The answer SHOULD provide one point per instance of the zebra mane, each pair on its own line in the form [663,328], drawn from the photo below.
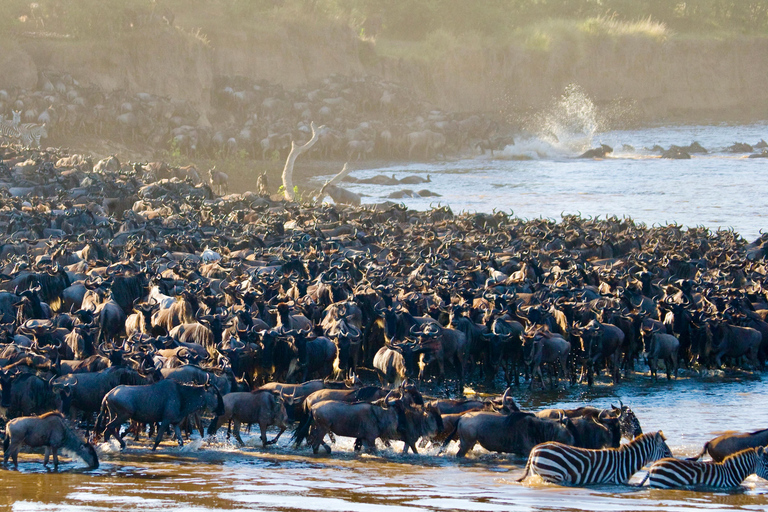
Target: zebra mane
[642,438]
[738,454]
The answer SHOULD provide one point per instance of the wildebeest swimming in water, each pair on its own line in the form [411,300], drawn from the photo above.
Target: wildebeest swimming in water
[599,152]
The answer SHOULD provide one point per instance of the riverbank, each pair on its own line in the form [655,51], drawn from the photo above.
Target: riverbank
[635,77]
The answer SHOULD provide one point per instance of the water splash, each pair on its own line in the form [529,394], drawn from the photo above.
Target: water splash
[571,123]
[566,128]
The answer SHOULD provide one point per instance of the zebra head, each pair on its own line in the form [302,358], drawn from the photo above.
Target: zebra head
[761,465]
[660,449]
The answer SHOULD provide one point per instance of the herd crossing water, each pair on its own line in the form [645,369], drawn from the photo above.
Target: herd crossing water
[537,176]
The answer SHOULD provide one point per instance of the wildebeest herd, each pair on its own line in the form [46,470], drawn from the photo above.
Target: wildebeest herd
[364,118]
[128,300]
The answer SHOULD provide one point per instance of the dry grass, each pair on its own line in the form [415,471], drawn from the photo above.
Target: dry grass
[610,26]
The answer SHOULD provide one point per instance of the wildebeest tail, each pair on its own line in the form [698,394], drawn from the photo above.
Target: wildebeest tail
[6,442]
[214,426]
[703,452]
[302,431]
[452,435]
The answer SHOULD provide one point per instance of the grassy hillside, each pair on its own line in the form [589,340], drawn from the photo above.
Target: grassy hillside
[389,21]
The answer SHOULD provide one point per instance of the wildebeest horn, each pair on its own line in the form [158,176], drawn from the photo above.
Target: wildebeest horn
[505,396]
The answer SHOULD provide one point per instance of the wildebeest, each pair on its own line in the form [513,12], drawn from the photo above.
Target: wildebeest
[262,407]
[517,432]
[600,342]
[659,345]
[388,419]
[25,394]
[50,430]
[731,442]
[166,402]
[364,394]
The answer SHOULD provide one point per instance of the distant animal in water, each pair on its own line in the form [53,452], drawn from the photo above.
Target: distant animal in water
[600,152]
[676,153]
[414,180]
[740,147]
[50,430]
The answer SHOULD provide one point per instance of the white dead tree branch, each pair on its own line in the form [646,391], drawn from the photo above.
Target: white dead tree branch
[333,181]
[292,156]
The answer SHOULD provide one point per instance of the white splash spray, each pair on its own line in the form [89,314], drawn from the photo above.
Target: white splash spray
[567,128]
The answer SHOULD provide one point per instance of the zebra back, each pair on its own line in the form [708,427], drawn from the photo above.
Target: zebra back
[7,129]
[563,464]
[731,472]
[32,131]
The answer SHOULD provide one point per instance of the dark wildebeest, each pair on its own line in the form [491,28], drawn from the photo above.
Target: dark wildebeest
[659,345]
[166,402]
[365,394]
[628,424]
[517,432]
[262,407]
[26,394]
[600,342]
[50,430]
[731,442]
[363,421]
[388,419]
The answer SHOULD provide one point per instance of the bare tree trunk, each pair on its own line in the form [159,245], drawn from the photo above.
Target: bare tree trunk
[333,181]
[292,156]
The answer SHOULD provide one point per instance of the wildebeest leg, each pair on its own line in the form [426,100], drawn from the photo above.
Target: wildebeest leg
[47,455]
[113,427]
[464,447]
[358,444]
[236,427]
[177,429]
[274,441]
[160,432]
[55,452]
[14,453]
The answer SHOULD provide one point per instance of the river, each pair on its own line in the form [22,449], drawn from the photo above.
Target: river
[206,476]
[536,176]
[539,175]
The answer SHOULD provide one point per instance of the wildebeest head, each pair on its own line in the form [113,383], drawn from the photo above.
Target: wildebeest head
[628,422]
[213,399]
[63,394]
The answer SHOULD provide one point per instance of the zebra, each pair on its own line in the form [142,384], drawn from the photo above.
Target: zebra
[30,131]
[7,129]
[567,465]
[729,473]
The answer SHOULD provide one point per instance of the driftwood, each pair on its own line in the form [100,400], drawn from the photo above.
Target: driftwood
[292,156]
[330,183]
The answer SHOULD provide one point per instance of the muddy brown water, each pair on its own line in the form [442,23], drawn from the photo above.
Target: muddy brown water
[218,475]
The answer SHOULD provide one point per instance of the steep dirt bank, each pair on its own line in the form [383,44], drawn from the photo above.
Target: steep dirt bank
[676,81]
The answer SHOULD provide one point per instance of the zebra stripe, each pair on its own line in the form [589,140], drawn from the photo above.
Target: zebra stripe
[567,465]
[729,473]
[8,130]
[30,131]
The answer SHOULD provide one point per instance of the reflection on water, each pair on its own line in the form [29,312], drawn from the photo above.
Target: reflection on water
[220,476]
